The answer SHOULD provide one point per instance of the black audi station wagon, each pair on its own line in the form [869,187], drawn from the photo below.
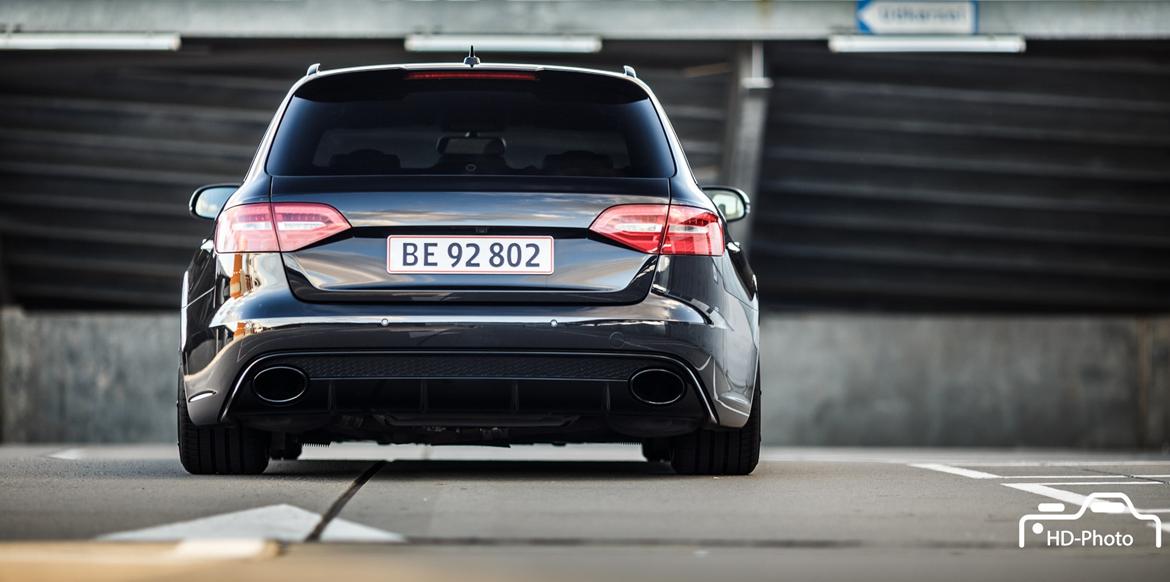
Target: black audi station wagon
[469,254]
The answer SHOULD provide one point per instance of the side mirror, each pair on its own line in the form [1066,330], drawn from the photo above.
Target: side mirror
[732,202]
[207,201]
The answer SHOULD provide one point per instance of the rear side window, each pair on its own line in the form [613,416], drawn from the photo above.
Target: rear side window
[548,123]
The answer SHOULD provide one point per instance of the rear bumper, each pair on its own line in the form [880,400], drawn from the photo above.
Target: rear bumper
[368,359]
[412,391]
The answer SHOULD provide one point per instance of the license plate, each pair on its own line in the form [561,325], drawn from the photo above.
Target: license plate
[496,255]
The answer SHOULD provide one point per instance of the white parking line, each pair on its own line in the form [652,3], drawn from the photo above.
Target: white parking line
[1118,463]
[1048,490]
[1066,483]
[975,474]
[1076,498]
[68,454]
[285,523]
[970,473]
[1047,487]
[1102,476]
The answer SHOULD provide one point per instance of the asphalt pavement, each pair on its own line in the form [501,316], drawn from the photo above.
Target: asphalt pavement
[582,513]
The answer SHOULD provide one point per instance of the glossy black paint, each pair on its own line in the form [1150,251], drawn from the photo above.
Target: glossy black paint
[696,314]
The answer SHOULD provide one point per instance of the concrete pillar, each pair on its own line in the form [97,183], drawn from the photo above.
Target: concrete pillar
[743,144]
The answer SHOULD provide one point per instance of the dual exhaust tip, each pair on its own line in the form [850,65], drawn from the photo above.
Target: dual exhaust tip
[284,384]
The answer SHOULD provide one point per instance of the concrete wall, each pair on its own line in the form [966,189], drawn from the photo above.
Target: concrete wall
[68,377]
[1083,382]
[829,380]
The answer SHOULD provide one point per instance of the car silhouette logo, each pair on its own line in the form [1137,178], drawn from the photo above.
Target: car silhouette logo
[1108,503]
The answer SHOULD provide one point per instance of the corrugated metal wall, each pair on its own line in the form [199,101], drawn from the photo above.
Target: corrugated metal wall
[100,152]
[1036,182]
[1026,183]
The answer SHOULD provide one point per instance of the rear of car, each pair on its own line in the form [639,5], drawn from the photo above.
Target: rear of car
[454,255]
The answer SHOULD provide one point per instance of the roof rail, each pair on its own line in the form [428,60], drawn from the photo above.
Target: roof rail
[629,71]
[313,68]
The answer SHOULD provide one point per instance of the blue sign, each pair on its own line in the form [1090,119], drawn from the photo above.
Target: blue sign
[917,16]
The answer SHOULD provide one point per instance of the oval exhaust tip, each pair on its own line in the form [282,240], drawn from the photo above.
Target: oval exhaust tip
[657,386]
[280,384]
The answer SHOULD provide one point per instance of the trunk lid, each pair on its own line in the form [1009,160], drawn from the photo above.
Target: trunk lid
[353,266]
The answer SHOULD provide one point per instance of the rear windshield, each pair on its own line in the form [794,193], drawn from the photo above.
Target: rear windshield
[548,123]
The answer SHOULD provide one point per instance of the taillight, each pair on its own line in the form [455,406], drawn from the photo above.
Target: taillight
[300,224]
[638,226]
[282,226]
[662,228]
[693,231]
[246,228]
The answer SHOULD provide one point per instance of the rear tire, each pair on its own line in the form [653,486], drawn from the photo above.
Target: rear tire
[720,452]
[220,450]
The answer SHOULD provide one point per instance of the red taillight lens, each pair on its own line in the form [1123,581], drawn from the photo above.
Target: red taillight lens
[269,228]
[300,224]
[246,228]
[688,230]
[693,231]
[638,226]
